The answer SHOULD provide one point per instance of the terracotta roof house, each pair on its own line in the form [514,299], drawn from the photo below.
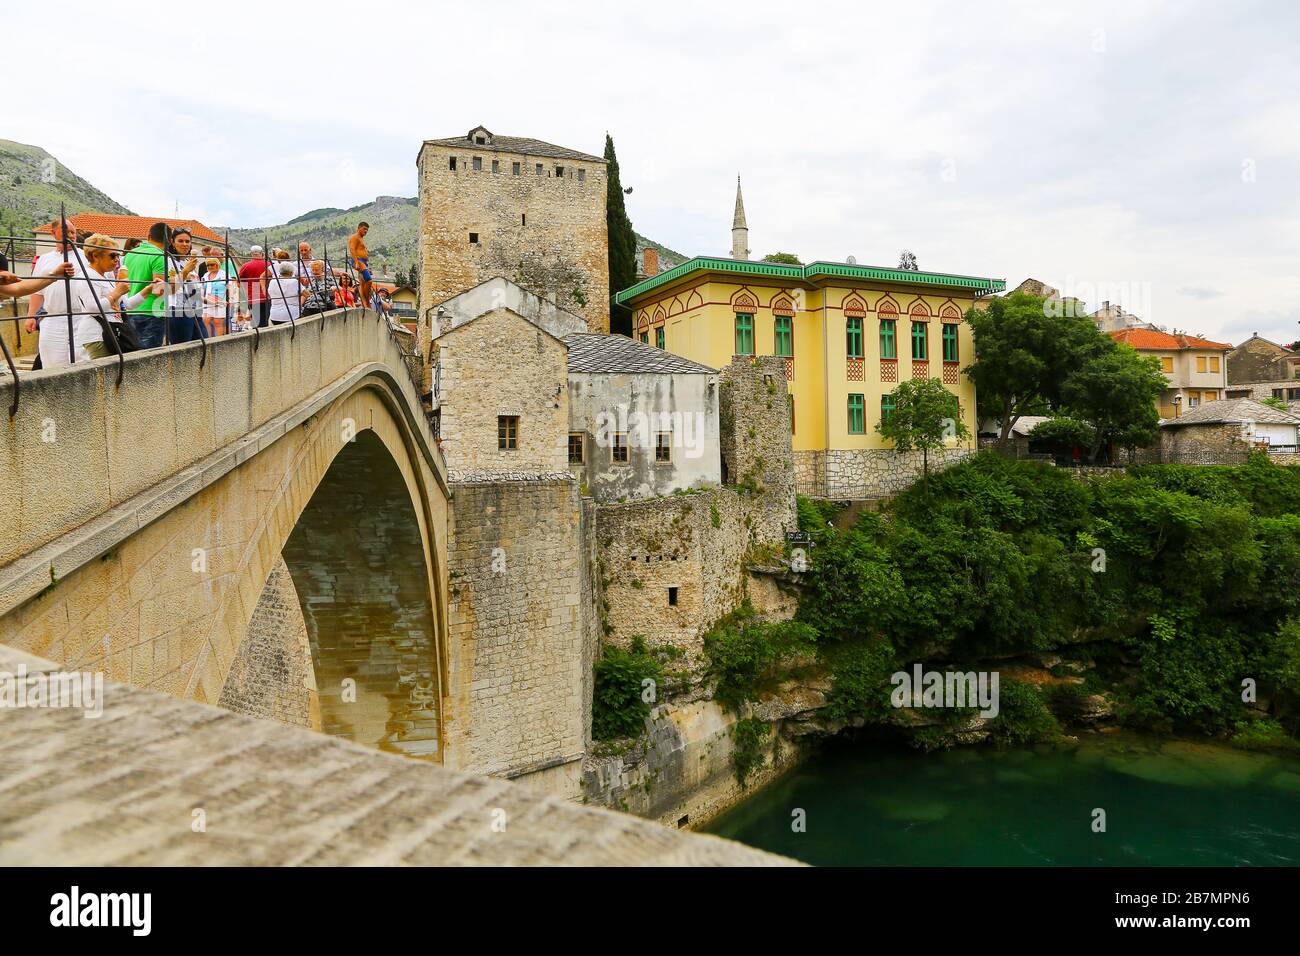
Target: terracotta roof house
[1196,368]
[129,227]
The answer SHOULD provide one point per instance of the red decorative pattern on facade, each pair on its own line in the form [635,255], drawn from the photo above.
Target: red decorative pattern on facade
[951,372]
[659,317]
[856,370]
[789,369]
[744,304]
[920,370]
[889,370]
[783,307]
[855,307]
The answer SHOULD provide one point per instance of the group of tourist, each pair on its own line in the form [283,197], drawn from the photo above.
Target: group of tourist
[161,290]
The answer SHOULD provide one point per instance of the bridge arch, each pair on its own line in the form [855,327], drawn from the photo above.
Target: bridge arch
[152,565]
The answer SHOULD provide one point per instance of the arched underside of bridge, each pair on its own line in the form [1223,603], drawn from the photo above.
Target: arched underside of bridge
[189,586]
[342,639]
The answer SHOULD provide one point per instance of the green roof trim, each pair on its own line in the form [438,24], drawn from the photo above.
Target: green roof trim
[809,273]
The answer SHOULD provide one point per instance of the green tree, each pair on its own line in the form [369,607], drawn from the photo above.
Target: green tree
[925,415]
[413,277]
[1116,392]
[622,243]
[1274,402]
[783,258]
[1063,431]
[1023,353]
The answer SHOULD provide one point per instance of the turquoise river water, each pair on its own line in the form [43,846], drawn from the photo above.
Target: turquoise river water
[1166,803]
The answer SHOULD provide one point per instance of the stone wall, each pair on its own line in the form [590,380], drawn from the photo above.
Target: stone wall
[681,773]
[870,472]
[121,791]
[520,637]
[1256,360]
[502,364]
[754,440]
[1204,445]
[555,225]
[271,676]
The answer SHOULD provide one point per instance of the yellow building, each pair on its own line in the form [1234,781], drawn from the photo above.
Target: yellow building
[849,335]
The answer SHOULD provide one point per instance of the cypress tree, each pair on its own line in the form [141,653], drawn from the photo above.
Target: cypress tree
[622,243]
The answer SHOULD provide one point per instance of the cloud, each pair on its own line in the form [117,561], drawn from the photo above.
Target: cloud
[1126,144]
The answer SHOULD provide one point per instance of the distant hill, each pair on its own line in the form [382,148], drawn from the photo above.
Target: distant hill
[393,239]
[32,183]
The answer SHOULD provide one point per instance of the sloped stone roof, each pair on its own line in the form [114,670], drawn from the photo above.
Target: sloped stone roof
[516,144]
[617,354]
[1232,411]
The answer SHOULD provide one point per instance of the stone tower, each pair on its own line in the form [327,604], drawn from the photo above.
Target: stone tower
[739,231]
[521,208]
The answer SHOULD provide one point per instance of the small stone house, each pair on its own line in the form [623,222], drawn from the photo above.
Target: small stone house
[642,422]
[521,389]
[1225,432]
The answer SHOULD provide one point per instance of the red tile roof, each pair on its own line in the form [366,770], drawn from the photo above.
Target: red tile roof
[128,227]
[1163,341]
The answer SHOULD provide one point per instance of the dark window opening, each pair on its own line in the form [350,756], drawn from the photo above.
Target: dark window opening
[523,219]
[582,175]
[452,164]
[618,452]
[480,140]
[575,448]
[514,169]
[473,238]
[672,597]
[559,172]
[683,820]
[507,432]
[664,446]
[539,169]
[478,164]
[496,165]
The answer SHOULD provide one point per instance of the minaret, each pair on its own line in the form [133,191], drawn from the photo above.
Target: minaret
[739,231]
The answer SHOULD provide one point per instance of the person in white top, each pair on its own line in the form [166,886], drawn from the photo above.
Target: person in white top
[66,299]
[286,295]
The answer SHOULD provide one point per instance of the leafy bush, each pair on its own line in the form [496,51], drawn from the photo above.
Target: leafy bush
[618,706]
[743,651]
[1023,717]
[750,737]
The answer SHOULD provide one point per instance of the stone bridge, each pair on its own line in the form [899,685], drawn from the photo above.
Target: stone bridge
[231,526]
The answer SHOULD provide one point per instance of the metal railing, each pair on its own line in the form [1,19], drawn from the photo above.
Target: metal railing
[339,278]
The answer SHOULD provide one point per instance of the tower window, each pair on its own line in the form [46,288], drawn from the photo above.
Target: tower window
[480,140]
[478,164]
[539,170]
[559,172]
[523,219]
[575,448]
[582,175]
[496,165]
[672,597]
[473,238]
[507,432]
[514,169]
[452,164]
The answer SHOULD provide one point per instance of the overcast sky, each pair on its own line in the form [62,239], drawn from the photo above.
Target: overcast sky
[1147,153]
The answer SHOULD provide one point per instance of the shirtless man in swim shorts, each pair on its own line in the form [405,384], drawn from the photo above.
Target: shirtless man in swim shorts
[360,257]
